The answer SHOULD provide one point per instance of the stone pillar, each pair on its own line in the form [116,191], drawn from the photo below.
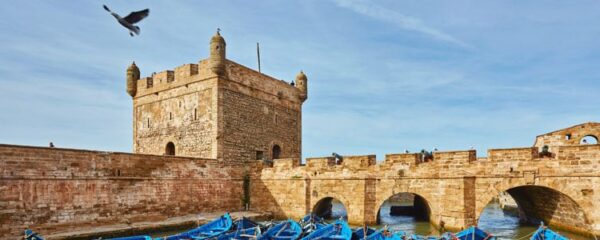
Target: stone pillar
[469,199]
[307,190]
[369,203]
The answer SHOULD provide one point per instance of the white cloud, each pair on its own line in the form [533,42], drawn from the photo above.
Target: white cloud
[403,21]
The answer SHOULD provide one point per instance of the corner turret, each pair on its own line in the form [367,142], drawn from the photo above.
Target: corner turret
[133,75]
[217,54]
[301,83]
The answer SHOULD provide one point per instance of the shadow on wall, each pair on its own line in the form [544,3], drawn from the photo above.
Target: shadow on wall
[537,203]
[261,195]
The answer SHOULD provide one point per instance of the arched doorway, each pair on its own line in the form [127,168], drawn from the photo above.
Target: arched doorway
[330,208]
[407,212]
[170,149]
[276,152]
[518,211]
[589,139]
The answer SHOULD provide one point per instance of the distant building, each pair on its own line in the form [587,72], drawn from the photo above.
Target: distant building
[585,133]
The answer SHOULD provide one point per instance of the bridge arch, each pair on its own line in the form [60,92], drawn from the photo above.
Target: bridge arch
[330,208]
[408,204]
[551,204]
[418,187]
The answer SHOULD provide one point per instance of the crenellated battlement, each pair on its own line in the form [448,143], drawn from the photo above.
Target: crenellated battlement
[465,162]
[286,163]
[236,75]
[402,158]
[509,161]
[170,79]
[512,154]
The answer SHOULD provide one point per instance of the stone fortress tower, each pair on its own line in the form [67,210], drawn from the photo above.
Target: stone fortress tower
[216,109]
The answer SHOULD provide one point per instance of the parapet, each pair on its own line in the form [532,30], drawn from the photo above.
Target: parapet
[455,157]
[276,89]
[320,163]
[579,152]
[512,154]
[61,163]
[180,76]
[255,83]
[286,163]
[350,162]
[402,158]
[358,162]
[186,70]
[164,77]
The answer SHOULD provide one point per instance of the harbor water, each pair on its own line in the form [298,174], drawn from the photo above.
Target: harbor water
[493,220]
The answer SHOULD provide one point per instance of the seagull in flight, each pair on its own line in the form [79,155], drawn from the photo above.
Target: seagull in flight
[130,19]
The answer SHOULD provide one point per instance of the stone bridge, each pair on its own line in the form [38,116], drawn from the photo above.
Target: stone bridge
[560,187]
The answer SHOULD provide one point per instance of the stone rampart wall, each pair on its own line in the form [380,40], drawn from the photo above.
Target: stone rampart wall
[50,189]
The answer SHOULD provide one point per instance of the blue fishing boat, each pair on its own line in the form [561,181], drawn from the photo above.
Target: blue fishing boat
[359,233]
[311,218]
[242,234]
[244,229]
[471,233]
[419,237]
[381,234]
[141,237]
[384,234]
[287,230]
[210,230]
[244,223]
[338,230]
[31,235]
[311,223]
[545,233]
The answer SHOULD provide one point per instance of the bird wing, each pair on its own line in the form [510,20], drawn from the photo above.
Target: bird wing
[106,8]
[135,17]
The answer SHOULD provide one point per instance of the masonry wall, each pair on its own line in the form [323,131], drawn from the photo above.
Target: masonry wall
[179,107]
[257,113]
[283,196]
[53,190]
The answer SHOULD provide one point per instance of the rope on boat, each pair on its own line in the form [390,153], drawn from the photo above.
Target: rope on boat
[526,235]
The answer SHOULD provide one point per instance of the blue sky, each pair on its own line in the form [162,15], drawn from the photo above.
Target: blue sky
[384,76]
